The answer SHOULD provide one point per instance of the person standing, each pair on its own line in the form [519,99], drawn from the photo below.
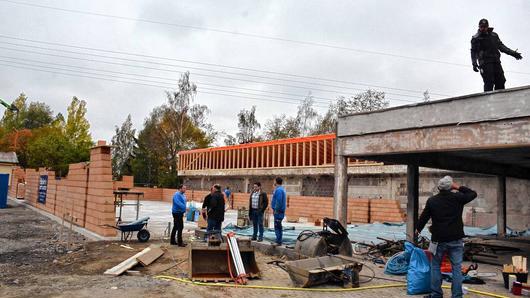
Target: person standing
[257,205]
[445,210]
[214,206]
[278,205]
[486,58]
[228,195]
[178,209]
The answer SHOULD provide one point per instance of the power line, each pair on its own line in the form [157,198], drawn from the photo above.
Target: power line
[195,74]
[195,68]
[216,65]
[252,35]
[325,100]
[140,82]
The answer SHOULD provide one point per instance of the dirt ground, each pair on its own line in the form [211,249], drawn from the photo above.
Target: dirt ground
[34,262]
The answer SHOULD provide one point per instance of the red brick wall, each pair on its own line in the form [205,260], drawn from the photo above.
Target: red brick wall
[125,182]
[86,193]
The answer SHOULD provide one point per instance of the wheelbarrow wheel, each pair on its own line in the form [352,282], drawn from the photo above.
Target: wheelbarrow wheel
[143,235]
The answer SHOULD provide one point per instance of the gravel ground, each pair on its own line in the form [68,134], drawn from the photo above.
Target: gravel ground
[35,263]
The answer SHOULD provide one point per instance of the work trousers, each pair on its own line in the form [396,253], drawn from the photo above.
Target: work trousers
[213,225]
[455,251]
[257,223]
[278,230]
[493,76]
[178,225]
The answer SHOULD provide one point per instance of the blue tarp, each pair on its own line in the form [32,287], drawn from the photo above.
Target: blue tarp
[366,233]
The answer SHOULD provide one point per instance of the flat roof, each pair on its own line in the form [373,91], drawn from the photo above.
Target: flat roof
[486,133]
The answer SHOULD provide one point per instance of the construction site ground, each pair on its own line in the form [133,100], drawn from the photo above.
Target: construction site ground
[34,262]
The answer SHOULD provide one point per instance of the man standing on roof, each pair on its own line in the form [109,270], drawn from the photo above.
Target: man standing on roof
[486,58]
[278,205]
[445,209]
[178,209]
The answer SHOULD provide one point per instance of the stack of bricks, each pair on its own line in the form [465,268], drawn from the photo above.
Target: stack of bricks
[150,193]
[386,210]
[358,210]
[100,209]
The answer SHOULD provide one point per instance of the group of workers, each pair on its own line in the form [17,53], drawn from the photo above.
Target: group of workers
[216,203]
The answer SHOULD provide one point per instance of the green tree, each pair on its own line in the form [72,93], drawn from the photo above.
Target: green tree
[13,119]
[282,127]
[248,125]
[37,115]
[123,147]
[77,132]
[49,147]
[367,101]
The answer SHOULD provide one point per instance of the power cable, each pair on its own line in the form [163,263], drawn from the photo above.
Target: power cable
[253,35]
[170,70]
[151,85]
[216,65]
[195,68]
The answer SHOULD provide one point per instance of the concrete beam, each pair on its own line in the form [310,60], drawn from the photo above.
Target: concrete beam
[510,133]
[501,207]
[340,193]
[413,197]
[478,107]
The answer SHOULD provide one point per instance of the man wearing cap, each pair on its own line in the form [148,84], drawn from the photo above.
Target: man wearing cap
[486,58]
[445,210]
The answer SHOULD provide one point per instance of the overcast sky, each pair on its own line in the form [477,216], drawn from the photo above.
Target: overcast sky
[364,42]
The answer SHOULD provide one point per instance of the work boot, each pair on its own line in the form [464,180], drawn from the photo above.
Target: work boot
[253,238]
[182,244]
[173,243]
[260,239]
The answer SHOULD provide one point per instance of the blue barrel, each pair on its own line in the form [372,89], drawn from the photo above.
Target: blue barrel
[4,183]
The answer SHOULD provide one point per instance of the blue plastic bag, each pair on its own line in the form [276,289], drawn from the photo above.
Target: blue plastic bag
[419,272]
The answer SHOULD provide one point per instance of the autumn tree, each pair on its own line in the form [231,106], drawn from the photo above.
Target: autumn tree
[248,125]
[77,130]
[123,147]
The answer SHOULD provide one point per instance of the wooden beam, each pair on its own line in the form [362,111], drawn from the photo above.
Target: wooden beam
[297,155]
[262,163]
[279,151]
[284,155]
[413,187]
[247,153]
[273,156]
[325,152]
[252,162]
[268,152]
[333,143]
[303,154]
[318,153]
[501,207]
[310,153]
[291,154]
[340,194]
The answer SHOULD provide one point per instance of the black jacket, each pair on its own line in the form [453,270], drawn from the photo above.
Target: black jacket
[215,206]
[263,201]
[485,48]
[445,209]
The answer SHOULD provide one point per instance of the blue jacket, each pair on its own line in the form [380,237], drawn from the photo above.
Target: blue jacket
[279,200]
[179,203]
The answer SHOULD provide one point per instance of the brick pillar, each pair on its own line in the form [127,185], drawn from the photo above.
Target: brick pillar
[100,208]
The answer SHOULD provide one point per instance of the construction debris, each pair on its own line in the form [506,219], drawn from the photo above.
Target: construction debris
[151,256]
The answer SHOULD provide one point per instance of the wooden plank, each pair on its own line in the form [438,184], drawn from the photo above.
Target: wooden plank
[310,153]
[268,152]
[284,155]
[151,256]
[318,153]
[273,156]
[297,155]
[262,164]
[291,154]
[303,154]
[325,152]
[127,264]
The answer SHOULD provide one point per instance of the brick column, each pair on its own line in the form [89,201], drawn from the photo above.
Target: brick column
[100,208]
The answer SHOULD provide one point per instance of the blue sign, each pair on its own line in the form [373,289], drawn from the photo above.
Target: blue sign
[43,189]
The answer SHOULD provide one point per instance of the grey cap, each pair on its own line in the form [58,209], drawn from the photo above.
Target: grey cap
[445,183]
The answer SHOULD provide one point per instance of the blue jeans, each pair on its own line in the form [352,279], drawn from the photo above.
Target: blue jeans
[257,223]
[213,225]
[278,230]
[455,251]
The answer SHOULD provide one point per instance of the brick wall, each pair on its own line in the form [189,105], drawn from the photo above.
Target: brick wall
[126,182]
[85,195]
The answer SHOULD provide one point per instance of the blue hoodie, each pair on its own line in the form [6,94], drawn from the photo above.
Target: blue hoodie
[279,200]
[179,203]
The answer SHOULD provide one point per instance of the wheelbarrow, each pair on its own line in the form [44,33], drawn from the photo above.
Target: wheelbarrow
[128,229]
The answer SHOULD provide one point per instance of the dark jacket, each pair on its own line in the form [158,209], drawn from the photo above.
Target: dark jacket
[262,204]
[485,48]
[215,206]
[445,209]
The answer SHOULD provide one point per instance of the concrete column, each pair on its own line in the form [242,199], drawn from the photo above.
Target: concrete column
[245,185]
[202,183]
[412,201]
[501,207]
[340,193]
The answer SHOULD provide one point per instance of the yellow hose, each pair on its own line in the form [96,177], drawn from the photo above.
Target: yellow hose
[226,285]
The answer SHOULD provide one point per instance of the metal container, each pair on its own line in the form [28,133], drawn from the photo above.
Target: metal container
[314,271]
